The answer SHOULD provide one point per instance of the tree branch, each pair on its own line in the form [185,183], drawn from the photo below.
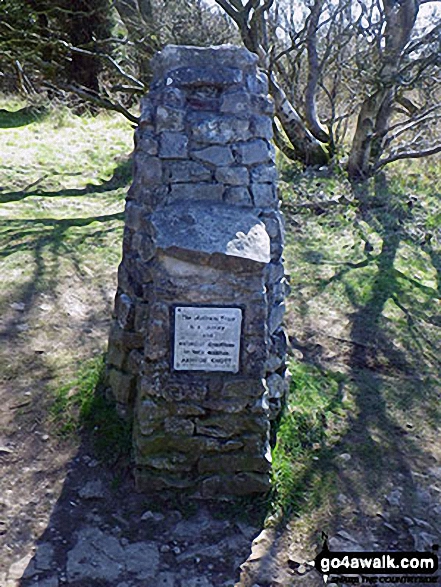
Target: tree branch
[87,95]
[433,150]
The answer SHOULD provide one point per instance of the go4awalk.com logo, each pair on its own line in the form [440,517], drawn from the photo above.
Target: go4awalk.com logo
[377,568]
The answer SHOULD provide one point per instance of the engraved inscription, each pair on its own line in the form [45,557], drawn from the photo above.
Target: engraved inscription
[207,339]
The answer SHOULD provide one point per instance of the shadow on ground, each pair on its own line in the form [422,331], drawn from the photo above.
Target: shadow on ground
[22,117]
[378,487]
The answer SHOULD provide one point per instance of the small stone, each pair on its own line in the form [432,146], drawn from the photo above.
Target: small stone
[6,450]
[19,306]
[153,516]
[394,498]
[92,490]
[164,548]
[345,457]
[176,550]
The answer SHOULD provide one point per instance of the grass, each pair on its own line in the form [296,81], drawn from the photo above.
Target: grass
[315,418]
[81,404]
[63,180]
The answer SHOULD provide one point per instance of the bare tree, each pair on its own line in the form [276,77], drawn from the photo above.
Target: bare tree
[351,64]
[401,62]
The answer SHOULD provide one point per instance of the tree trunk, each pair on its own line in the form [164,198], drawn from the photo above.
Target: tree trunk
[375,112]
[309,150]
[84,25]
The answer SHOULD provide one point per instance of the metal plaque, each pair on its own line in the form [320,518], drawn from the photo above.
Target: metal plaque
[207,339]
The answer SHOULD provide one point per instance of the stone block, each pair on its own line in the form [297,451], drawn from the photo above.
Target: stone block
[125,339]
[277,386]
[264,195]
[275,272]
[274,225]
[159,443]
[218,130]
[236,103]
[179,426]
[228,406]
[233,463]
[169,119]
[150,416]
[173,97]
[264,174]
[122,385]
[244,387]
[218,445]
[262,127]
[276,317]
[147,111]
[211,192]
[134,361]
[239,196]
[171,462]
[239,484]
[145,246]
[157,339]
[258,84]
[187,171]
[180,390]
[152,482]
[205,76]
[133,215]
[209,228]
[229,425]
[124,311]
[147,169]
[215,155]
[116,357]
[173,145]
[145,141]
[263,105]
[253,152]
[141,317]
[173,57]
[233,175]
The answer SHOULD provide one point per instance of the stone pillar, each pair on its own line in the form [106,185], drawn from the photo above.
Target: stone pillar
[196,350]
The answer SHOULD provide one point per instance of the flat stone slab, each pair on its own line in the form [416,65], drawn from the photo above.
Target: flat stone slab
[98,556]
[177,56]
[211,228]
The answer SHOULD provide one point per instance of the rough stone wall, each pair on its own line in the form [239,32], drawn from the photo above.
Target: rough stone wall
[202,227]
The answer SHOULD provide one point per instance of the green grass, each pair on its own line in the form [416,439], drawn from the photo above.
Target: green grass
[314,419]
[81,405]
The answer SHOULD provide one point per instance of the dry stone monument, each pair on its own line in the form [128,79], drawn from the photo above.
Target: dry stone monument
[196,354]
